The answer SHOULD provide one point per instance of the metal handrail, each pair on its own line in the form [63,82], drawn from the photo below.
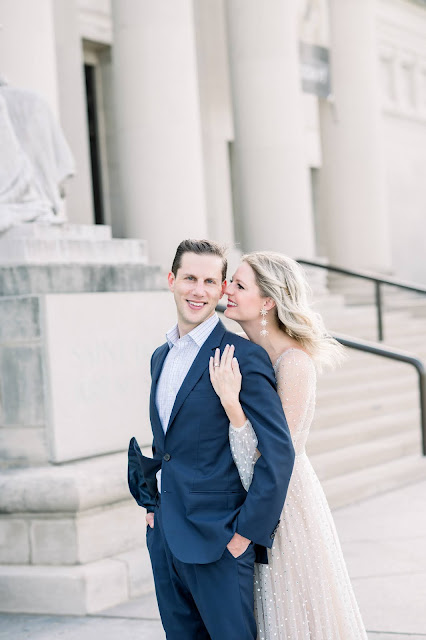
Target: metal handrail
[377,280]
[392,354]
[401,356]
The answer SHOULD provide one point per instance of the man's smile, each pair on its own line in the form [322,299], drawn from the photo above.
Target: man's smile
[195,305]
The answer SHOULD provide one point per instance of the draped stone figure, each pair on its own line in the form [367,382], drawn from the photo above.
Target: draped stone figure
[35,160]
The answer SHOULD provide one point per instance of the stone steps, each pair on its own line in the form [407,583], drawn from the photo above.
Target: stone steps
[365,438]
[339,462]
[72,250]
[92,232]
[337,413]
[370,481]
[384,385]
[353,371]
[323,440]
[34,244]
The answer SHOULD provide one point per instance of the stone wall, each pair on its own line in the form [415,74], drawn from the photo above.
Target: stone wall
[74,385]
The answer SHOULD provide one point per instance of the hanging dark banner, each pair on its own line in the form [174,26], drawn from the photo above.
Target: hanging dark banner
[315,69]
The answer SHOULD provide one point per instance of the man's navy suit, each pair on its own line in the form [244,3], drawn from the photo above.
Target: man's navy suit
[199,584]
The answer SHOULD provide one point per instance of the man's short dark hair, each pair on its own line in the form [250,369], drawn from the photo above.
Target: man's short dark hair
[200,247]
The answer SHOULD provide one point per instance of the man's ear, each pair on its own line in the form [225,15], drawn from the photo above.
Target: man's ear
[224,285]
[171,280]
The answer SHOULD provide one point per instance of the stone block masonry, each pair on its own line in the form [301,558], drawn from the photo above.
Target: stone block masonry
[74,387]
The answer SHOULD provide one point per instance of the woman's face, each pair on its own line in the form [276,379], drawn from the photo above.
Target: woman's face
[244,299]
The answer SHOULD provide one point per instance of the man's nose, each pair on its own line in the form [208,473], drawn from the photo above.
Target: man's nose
[199,288]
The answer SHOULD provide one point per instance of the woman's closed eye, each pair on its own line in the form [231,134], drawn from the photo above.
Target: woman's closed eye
[238,284]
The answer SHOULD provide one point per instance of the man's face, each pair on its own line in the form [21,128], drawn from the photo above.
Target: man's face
[197,288]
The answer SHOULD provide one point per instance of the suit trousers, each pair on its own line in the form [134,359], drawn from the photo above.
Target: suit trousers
[211,601]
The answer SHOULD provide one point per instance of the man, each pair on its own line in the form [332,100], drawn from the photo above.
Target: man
[202,525]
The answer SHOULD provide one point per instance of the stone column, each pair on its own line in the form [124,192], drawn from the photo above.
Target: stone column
[159,140]
[27,47]
[216,116]
[73,108]
[271,177]
[352,202]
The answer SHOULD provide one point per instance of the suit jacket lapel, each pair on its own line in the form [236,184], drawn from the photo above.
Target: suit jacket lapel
[156,370]
[199,365]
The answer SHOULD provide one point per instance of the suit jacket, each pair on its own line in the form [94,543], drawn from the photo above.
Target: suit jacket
[203,502]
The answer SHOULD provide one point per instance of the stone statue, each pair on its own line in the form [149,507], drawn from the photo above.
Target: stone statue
[35,160]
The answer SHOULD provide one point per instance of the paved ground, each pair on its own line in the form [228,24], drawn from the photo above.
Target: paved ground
[384,541]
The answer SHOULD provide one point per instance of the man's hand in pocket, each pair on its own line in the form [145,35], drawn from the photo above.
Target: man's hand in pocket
[150,519]
[237,545]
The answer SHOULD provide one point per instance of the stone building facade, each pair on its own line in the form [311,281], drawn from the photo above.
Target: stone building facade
[298,126]
[198,123]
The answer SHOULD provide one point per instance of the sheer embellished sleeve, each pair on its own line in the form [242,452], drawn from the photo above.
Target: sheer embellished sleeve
[243,447]
[296,383]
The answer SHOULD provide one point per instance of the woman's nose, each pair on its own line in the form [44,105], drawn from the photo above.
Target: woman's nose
[228,289]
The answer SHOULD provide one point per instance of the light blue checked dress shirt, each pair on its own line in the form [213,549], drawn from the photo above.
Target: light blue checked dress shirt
[182,353]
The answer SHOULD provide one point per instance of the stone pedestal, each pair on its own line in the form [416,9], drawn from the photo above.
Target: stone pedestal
[68,244]
[74,387]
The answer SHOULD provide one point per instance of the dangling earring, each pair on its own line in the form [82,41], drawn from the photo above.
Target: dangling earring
[263,312]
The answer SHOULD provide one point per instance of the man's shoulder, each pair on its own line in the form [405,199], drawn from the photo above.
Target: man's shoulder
[158,350]
[244,345]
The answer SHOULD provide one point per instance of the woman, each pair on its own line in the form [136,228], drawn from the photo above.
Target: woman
[304,592]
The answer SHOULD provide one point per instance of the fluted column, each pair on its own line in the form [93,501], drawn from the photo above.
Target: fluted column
[73,108]
[271,176]
[159,142]
[27,47]
[352,197]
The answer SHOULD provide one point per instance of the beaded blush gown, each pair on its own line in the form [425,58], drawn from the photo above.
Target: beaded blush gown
[304,593]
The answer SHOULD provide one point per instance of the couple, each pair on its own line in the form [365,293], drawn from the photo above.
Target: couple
[230,418]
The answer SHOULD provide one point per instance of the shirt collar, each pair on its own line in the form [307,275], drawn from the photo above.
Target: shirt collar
[199,334]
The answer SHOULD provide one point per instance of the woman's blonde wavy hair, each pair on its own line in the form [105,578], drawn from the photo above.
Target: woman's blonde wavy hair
[282,279]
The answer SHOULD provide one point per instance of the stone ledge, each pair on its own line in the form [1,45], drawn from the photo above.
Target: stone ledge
[93,232]
[62,590]
[73,487]
[139,571]
[23,280]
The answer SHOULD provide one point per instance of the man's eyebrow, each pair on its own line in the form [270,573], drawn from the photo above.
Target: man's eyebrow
[194,276]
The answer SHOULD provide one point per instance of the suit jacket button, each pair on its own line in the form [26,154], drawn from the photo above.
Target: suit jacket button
[167,457]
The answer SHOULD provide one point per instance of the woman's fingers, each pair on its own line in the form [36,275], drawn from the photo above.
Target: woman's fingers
[220,363]
[217,358]
[235,367]
[230,355]
[227,356]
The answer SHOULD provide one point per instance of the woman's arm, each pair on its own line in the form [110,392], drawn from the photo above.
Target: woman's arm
[226,380]
[225,377]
